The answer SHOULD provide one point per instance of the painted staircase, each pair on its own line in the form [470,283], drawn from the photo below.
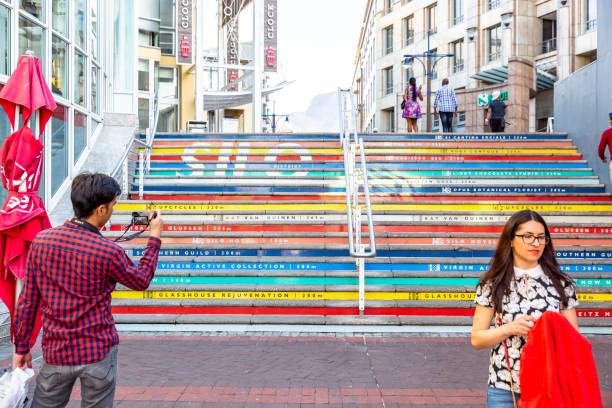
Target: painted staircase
[255,227]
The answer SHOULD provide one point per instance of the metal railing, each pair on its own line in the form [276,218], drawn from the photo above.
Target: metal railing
[136,149]
[591,25]
[354,177]
[548,46]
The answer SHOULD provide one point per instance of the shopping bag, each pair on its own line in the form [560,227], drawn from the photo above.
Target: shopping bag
[14,387]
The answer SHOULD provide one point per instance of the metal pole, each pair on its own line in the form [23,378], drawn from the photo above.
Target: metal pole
[258,54]
[428,101]
[199,62]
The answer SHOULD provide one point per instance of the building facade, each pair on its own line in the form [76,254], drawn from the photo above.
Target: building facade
[551,38]
[67,36]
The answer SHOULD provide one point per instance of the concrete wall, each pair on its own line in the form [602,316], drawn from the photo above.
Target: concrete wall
[584,99]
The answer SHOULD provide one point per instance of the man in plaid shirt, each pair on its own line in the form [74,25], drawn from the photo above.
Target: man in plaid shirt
[446,103]
[71,272]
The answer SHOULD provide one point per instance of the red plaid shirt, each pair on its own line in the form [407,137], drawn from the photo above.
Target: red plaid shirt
[71,272]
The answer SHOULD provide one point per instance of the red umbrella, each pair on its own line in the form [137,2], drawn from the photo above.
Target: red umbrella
[27,89]
[23,214]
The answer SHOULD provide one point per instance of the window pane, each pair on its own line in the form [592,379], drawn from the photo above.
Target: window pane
[124,45]
[143,75]
[94,90]
[80,134]
[35,8]
[59,149]
[168,115]
[94,29]
[59,9]
[168,83]
[31,38]
[143,113]
[79,78]
[166,13]
[79,22]
[5,130]
[5,40]
[59,67]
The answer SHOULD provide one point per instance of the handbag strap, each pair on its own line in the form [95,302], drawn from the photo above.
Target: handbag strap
[507,363]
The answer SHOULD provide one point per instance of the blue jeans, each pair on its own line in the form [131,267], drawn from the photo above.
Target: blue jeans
[498,398]
[447,121]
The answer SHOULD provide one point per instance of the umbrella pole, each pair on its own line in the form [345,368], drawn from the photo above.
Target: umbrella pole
[18,282]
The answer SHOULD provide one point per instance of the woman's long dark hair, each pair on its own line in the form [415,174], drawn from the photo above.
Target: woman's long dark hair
[501,268]
[412,82]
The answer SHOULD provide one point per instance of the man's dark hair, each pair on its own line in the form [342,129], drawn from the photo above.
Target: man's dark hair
[610,115]
[89,191]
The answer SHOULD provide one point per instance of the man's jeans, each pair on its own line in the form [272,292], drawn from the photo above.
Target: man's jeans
[447,121]
[54,383]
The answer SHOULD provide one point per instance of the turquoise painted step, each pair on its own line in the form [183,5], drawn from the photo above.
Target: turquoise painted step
[308,280]
[379,174]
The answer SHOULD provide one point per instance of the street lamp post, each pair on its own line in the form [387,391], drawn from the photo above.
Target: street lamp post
[274,115]
[428,66]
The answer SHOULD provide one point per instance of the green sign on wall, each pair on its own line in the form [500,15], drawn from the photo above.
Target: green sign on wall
[485,99]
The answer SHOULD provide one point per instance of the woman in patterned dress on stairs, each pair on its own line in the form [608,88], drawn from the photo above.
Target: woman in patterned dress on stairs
[523,281]
[412,109]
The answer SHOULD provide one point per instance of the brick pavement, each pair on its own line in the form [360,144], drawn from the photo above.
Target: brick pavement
[307,371]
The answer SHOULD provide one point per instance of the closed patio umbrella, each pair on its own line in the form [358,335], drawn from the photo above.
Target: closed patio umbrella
[23,214]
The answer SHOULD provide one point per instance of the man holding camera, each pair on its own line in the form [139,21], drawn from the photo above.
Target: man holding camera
[71,271]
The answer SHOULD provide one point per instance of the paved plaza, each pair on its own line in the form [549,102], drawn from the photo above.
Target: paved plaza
[280,370]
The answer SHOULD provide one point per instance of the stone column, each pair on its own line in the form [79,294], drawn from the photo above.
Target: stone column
[521,84]
[563,42]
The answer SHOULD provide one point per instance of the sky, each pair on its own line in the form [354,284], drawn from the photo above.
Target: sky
[317,43]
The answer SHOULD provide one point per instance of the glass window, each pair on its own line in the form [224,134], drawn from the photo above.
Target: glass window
[388,78]
[79,22]
[5,41]
[409,30]
[388,4]
[124,45]
[59,10]
[143,113]
[80,134]
[168,83]
[591,14]
[166,41]
[432,19]
[5,130]
[494,43]
[168,117]
[35,7]
[79,78]
[457,50]
[409,74]
[59,67]
[95,75]
[31,38]
[388,33]
[458,11]
[166,13]
[59,147]
[94,30]
[143,75]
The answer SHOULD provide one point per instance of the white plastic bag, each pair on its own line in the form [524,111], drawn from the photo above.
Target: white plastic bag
[14,387]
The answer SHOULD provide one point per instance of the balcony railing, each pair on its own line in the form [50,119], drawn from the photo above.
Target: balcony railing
[409,39]
[493,4]
[458,19]
[458,67]
[494,56]
[591,25]
[548,46]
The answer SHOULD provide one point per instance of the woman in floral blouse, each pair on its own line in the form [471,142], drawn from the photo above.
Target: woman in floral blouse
[523,281]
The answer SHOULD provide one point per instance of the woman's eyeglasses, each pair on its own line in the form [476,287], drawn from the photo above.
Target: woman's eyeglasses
[530,238]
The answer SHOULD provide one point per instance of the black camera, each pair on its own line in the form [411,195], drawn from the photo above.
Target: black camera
[140,218]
